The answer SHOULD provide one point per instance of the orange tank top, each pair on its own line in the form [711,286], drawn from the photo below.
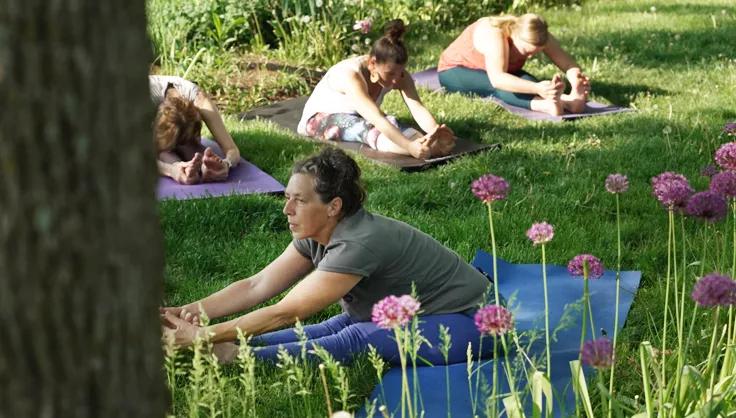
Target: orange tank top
[462,53]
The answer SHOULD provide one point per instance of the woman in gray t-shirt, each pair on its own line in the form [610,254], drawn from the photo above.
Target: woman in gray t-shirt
[181,108]
[342,253]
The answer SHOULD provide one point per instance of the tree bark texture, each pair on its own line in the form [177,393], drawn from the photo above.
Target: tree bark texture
[81,261]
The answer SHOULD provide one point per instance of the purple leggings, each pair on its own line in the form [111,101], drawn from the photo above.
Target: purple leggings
[344,337]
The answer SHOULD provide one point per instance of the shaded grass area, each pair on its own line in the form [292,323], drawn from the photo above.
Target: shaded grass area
[673,65]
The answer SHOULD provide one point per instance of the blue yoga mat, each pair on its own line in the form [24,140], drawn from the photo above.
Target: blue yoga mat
[522,284]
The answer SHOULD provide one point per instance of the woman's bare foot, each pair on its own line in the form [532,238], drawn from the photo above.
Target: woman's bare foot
[225,352]
[550,106]
[444,141]
[213,168]
[188,172]
[575,101]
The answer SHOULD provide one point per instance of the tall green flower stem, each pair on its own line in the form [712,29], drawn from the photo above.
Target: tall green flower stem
[402,342]
[731,326]
[546,324]
[615,318]
[670,262]
[497,301]
[583,327]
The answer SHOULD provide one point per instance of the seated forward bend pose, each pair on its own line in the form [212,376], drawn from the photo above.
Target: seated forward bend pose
[345,104]
[182,107]
[487,60]
[341,252]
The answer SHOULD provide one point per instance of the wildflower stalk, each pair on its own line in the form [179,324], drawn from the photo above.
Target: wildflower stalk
[405,393]
[323,377]
[670,238]
[497,301]
[469,370]
[445,345]
[618,291]
[546,314]
[247,361]
[645,378]
[731,329]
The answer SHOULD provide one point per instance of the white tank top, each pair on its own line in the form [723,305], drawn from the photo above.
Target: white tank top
[326,99]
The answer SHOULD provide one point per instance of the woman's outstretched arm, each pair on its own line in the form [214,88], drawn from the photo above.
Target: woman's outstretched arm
[355,87]
[418,111]
[566,63]
[314,293]
[239,296]
[211,117]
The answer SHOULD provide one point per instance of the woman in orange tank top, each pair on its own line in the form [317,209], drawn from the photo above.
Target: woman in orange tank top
[487,60]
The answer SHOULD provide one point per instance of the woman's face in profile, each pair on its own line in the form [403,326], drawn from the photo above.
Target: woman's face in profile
[306,213]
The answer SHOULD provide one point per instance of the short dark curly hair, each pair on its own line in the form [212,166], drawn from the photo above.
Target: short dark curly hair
[335,175]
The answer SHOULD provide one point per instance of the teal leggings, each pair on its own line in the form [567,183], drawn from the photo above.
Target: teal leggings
[465,80]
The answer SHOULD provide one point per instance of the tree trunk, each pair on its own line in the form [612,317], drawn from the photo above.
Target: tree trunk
[81,261]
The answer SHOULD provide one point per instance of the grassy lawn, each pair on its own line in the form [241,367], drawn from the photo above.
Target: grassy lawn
[673,61]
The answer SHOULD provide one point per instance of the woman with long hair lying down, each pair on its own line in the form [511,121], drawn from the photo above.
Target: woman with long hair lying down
[181,109]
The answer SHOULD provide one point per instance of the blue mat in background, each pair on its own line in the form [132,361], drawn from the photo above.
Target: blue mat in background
[522,285]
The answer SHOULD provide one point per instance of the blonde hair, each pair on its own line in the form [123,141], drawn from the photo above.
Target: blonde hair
[529,27]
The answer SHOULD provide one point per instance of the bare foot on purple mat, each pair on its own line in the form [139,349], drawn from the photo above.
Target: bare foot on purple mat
[213,167]
[550,106]
[580,88]
[188,172]
[444,143]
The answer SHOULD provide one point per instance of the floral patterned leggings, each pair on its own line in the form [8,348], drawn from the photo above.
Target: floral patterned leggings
[347,127]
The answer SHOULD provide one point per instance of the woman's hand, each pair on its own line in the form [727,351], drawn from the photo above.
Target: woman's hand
[550,89]
[180,332]
[421,148]
[190,315]
[214,168]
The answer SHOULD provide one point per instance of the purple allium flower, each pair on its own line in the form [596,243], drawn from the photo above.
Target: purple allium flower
[598,353]
[726,156]
[364,26]
[714,290]
[617,183]
[671,189]
[393,311]
[494,320]
[730,128]
[541,233]
[709,206]
[709,170]
[595,267]
[490,188]
[724,183]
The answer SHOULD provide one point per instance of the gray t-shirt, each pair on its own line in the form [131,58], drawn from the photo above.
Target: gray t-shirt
[389,255]
[158,83]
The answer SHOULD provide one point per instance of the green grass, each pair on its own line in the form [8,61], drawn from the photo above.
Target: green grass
[673,66]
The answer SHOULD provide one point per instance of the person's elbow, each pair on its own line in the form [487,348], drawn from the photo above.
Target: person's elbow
[286,314]
[497,79]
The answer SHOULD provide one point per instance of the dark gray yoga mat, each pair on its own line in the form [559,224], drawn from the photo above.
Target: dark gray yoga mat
[246,178]
[287,113]
[429,80]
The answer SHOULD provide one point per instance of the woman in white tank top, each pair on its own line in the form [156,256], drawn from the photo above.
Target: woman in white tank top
[345,104]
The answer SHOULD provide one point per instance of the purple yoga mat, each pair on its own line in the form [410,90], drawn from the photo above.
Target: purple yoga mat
[246,178]
[429,80]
